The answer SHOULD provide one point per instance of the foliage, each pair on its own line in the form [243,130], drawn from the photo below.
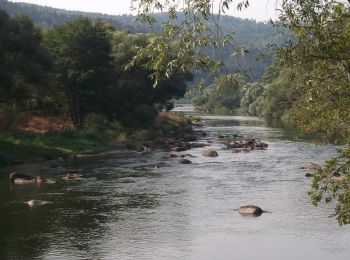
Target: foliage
[81,54]
[188,36]
[24,63]
[137,100]
[249,95]
[222,96]
[252,35]
[331,183]
[322,54]
[88,75]
[226,93]
[20,146]
[281,92]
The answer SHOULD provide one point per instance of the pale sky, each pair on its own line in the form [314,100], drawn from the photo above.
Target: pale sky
[260,10]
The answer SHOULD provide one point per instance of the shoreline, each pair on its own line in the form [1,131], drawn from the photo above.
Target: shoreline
[18,147]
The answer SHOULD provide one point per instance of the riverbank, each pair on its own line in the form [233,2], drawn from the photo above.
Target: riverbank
[134,205]
[26,146]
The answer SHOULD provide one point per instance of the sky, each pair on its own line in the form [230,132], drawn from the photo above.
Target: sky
[259,10]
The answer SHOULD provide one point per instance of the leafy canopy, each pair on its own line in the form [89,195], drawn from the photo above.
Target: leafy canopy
[178,48]
[322,54]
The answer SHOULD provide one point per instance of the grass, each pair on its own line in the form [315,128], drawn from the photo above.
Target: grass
[26,146]
[22,146]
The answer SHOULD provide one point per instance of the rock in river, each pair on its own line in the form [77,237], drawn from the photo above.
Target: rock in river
[310,166]
[18,176]
[35,203]
[185,161]
[178,149]
[210,153]
[251,210]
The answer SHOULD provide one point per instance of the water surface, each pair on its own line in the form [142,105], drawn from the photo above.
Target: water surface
[125,208]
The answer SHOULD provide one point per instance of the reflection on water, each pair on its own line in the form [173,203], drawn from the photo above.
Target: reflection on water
[126,208]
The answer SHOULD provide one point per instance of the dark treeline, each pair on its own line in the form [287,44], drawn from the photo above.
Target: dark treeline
[78,68]
[248,34]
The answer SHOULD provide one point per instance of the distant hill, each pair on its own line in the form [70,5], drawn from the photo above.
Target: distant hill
[49,17]
[254,35]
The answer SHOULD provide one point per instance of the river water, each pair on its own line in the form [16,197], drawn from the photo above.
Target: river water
[125,208]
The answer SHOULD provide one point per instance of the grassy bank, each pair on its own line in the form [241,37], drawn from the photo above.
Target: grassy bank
[25,146]
[21,146]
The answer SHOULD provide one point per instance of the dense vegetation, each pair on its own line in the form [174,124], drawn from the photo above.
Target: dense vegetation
[248,34]
[75,72]
[271,97]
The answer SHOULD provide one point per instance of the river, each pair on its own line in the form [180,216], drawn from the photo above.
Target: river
[125,208]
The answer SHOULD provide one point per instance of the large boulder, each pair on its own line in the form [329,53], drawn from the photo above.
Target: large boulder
[210,153]
[15,175]
[251,210]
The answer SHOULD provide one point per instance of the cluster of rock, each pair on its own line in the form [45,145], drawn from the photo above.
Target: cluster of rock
[175,141]
[245,146]
[184,146]
[19,178]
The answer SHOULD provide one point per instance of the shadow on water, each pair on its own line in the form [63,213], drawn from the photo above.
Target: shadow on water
[77,216]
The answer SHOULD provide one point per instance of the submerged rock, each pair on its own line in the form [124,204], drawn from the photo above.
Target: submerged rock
[187,155]
[178,149]
[241,150]
[72,177]
[185,161]
[198,145]
[310,166]
[35,203]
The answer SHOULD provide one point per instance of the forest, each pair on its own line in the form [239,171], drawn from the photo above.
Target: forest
[249,34]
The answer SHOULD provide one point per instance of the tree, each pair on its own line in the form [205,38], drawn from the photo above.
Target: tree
[282,89]
[249,94]
[81,52]
[184,39]
[322,54]
[24,62]
[226,93]
[137,99]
